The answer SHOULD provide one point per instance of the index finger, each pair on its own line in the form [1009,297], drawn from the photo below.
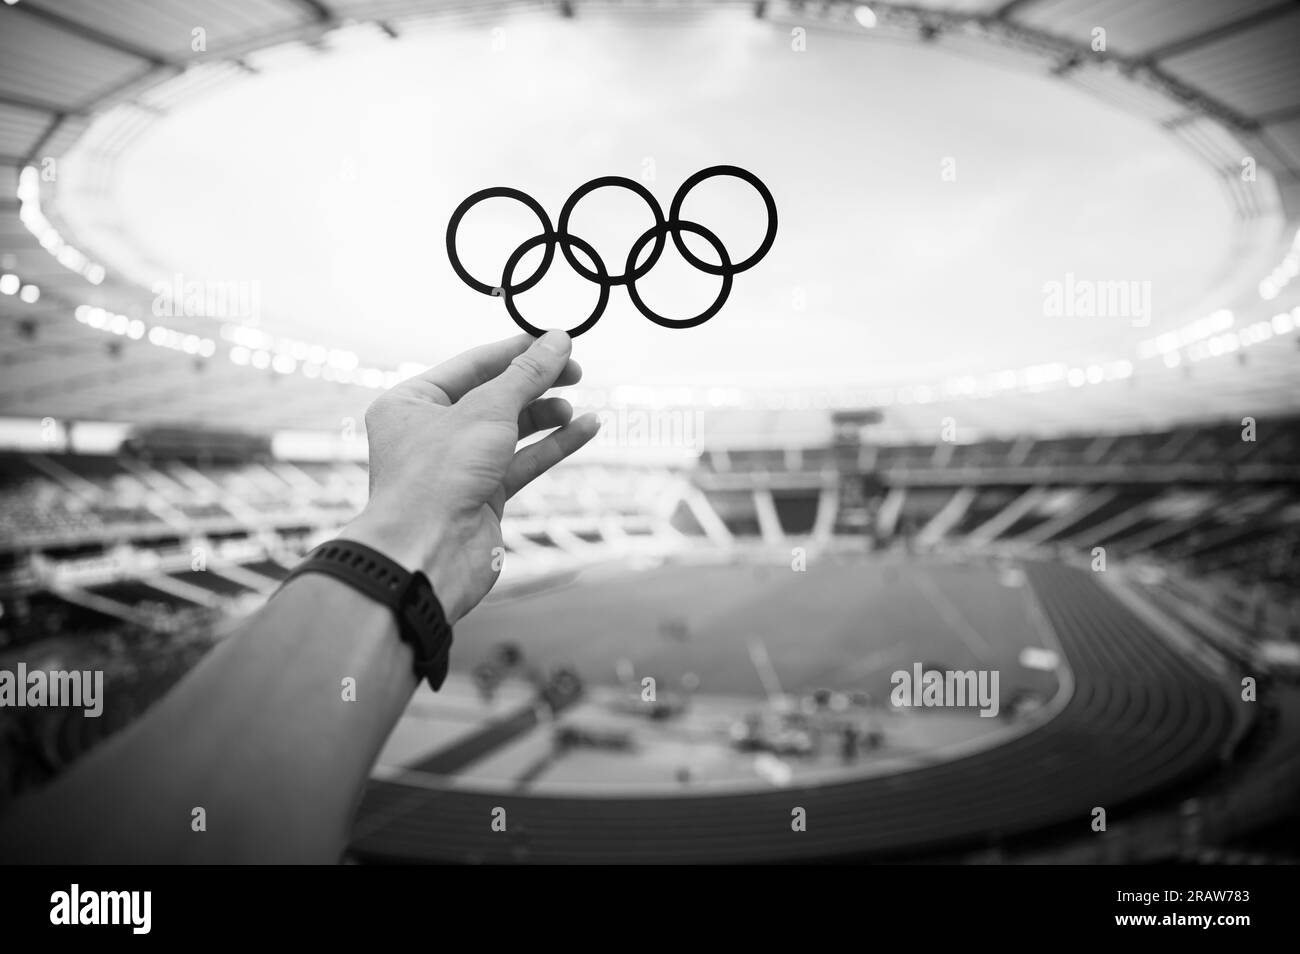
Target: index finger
[529,375]
[454,378]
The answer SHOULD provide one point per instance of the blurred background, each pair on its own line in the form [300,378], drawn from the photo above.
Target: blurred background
[1014,391]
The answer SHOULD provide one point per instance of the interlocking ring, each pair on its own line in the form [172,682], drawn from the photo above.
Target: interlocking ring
[724,269]
[501,192]
[559,235]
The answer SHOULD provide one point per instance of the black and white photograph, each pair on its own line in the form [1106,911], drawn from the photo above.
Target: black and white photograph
[652,433]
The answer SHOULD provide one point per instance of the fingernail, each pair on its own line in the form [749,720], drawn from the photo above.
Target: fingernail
[557,342]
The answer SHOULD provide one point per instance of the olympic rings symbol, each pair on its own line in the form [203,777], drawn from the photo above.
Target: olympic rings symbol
[550,237]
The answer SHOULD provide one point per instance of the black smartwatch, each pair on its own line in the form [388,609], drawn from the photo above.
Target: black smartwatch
[420,618]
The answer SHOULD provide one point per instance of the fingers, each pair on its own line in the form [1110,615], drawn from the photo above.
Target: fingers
[529,374]
[536,459]
[454,378]
[544,414]
[571,374]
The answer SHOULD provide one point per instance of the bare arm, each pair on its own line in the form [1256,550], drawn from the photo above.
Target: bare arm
[259,735]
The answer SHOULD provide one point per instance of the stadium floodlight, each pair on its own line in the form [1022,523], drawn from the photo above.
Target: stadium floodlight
[865,16]
[9,284]
[30,294]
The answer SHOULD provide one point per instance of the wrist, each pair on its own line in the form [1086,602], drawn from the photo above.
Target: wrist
[415,547]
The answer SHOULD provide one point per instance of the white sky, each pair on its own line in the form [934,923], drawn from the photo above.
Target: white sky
[330,182]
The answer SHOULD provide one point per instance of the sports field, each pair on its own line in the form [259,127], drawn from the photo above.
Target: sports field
[844,623]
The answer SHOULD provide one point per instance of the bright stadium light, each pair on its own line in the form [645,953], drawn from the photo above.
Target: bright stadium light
[343,360]
[30,294]
[30,214]
[865,16]
[9,284]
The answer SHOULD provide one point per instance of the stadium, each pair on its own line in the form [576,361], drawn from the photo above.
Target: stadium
[1009,409]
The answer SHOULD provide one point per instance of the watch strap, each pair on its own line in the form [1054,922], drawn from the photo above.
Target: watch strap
[422,623]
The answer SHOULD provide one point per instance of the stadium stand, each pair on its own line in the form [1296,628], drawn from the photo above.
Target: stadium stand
[66,516]
[1142,717]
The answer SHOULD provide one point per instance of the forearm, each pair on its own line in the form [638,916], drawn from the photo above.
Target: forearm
[261,736]
[267,736]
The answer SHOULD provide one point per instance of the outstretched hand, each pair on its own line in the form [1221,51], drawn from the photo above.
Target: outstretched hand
[444,459]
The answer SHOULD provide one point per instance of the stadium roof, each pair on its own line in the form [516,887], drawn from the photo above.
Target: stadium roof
[87,82]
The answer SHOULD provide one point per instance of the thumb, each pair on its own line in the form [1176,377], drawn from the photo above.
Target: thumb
[531,374]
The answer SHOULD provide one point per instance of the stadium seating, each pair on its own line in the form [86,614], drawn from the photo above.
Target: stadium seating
[139,666]
[1196,497]
[112,540]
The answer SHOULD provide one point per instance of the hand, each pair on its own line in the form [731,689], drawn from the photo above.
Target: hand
[443,459]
